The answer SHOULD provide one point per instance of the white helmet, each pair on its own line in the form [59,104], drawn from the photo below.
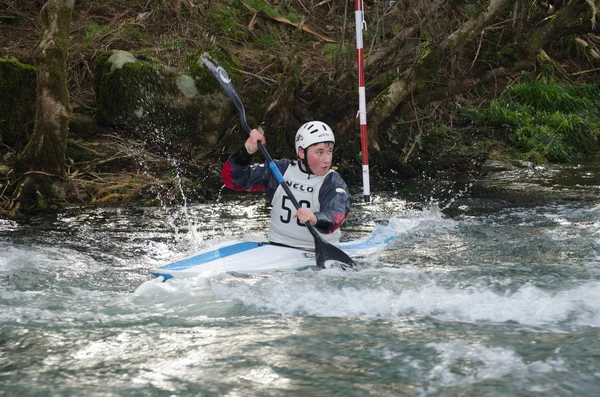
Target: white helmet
[313,132]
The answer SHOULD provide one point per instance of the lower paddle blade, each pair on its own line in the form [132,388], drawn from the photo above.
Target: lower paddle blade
[326,252]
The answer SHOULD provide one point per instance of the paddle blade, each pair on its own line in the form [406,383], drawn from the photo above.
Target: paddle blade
[326,252]
[225,81]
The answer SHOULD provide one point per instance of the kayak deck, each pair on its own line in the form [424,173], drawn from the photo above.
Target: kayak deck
[250,257]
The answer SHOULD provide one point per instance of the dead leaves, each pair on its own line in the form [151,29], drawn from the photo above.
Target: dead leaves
[301,25]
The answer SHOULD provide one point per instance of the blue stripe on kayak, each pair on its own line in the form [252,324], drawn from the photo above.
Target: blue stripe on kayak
[371,242]
[211,256]
[165,276]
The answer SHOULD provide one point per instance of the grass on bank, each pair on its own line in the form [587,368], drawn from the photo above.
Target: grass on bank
[545,122]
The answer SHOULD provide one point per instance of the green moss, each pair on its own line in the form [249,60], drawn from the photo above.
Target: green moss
[547,71]
[268,41]
[156,104]
[425,86]
[430,61]
[378,84]
[17,101]
[472,10]
[282,10]
[93,31]
[332,51]
[129,91]
[224,16]
[134,33]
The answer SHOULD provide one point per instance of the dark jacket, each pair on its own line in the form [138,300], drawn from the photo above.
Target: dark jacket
[238,174]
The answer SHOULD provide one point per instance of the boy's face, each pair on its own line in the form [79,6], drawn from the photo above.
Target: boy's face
[318,157]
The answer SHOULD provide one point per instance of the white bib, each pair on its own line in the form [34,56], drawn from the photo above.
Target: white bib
[284,228]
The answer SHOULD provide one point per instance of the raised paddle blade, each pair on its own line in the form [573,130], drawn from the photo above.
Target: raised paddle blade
[327,254]
[225,81]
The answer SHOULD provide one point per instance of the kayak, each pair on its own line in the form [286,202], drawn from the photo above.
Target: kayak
[259,256]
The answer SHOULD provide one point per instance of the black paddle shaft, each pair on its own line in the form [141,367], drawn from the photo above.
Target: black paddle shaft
[323,250]
[287,190]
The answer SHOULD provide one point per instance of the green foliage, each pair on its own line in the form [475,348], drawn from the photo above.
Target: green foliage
[281,10]
[555,97]
[411,141]
[333,51]
[42,203]
[225,17]
[380,83]
[93,31]
[172,43]
[268,41]
[423,49]
[391,132]
[546,122]
[134,33]
[471,10]
[443,131]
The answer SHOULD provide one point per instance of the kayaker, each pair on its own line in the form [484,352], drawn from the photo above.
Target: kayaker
[321,192]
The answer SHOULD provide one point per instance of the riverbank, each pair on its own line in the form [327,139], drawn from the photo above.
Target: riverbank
[287,74]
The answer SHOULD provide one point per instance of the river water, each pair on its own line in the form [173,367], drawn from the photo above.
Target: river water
[483,294]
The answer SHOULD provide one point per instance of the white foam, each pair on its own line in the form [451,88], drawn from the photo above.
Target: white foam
[464,364]
[332,293]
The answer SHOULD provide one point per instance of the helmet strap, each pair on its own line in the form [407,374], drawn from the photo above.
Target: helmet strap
[304,161]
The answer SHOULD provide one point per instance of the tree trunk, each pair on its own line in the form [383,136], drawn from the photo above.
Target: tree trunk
[42,163]
[574,18]
[470,29]
[390,55]
[382,107]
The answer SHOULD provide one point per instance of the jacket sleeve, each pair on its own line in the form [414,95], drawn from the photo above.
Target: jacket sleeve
[335,203]
[238,174]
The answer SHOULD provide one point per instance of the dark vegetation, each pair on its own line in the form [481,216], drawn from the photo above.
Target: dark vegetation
[449,85]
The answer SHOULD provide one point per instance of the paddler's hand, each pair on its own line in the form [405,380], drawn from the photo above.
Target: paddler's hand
[252,141]
[306,215]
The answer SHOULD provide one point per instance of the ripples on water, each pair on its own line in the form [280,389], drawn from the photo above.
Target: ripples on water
[490,300]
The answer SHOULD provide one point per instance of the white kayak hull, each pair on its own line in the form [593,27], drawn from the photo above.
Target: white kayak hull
[253,257]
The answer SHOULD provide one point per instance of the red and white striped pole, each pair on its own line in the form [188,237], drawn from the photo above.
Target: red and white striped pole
[362,103]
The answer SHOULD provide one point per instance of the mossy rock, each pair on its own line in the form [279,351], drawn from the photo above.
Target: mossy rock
[156,104]
[82,126]
[129,91]
[17,102]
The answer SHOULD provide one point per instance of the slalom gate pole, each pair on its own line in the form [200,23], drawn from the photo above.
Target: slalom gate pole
[362,104]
